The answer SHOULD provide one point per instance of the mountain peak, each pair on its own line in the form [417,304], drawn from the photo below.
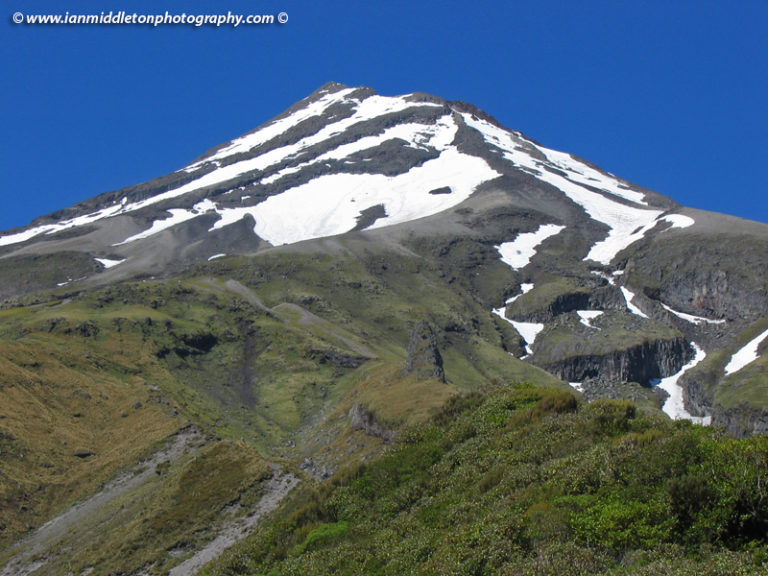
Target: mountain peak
[348,161]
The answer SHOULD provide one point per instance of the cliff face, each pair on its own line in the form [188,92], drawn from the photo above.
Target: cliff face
[642,363]
[741,423]
[424,359]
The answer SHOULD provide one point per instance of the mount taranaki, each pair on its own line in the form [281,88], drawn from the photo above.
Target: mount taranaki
[344,269]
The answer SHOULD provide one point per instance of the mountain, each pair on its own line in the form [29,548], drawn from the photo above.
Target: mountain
[290,300]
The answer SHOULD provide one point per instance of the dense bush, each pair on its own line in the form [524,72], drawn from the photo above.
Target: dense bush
[524,481]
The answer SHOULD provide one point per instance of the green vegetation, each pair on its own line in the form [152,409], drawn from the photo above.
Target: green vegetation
[274,356]
[745,390]
[613,333]
[527,481]
[544,299]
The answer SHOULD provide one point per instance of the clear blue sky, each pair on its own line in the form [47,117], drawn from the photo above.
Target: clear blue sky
[671,95]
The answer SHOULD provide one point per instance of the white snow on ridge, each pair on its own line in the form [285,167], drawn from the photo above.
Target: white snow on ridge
[438,136]
[107,263]
[584,174]
[679,220]
[366,109]
[518,253]
[59,226]
[627,224]
[524,289]
[331,204]
[690,318]
[674,406]
[746,355]
[586,316]
[178,215]
[607,277]
[628,296]
[250,141]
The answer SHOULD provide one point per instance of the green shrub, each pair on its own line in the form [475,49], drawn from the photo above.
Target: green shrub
[321,535]
[610,417]
[620,524]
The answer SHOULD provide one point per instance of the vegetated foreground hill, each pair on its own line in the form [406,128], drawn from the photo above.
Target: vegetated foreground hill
[530,481]
[178,356]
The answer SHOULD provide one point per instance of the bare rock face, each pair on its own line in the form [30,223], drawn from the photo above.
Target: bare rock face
[362,419]
[424,358]
[641,363]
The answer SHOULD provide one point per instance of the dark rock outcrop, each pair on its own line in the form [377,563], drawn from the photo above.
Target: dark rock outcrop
[337,358]
[652,359]
[424,358]
[741,423]
[362,419]
[583,298]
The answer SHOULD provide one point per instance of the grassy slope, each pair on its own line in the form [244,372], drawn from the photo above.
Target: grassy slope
[524,481]
[62,394]
[117,370]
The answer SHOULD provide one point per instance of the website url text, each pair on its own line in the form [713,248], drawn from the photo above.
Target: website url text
[132,18]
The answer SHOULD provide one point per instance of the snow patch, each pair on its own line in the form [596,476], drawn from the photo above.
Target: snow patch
[518,253]
[528,330]
[690,318]
[59,226]
[674,406]
[438,136]
[586,316]
[178,215]
[586,175]
[607,277]
[524,289]
[578,386]
[746,355]
[628,296]
[679,220]
[366,109]
[107,263]
[216,256]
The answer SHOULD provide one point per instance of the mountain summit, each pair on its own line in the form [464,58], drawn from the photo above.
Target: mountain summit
[346,159]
